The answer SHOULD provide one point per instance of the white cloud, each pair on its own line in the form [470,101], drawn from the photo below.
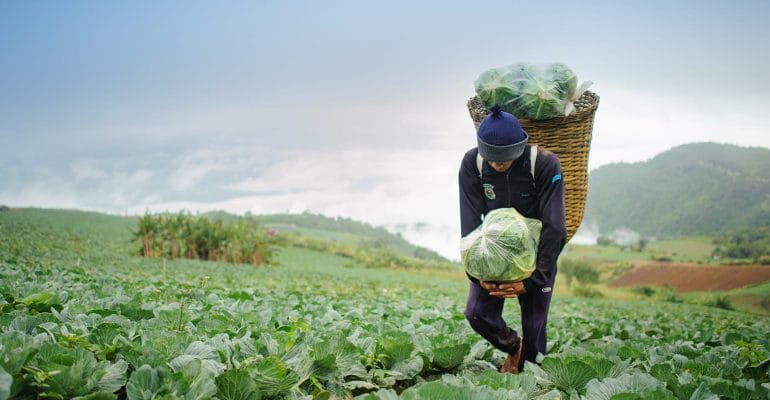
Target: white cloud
[45,194]
[634,125]
[192,168]
[85,170]
[85,186]
[387,188]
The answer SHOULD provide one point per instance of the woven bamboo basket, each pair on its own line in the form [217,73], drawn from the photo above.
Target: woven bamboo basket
[570,138]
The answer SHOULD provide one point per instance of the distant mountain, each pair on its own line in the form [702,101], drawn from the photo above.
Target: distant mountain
[693,189]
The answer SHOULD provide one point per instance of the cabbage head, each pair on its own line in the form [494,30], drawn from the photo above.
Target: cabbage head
[529,91]
[496,86]
[502,248]
[564,79]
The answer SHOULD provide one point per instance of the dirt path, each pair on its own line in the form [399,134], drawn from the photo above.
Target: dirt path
[694,277]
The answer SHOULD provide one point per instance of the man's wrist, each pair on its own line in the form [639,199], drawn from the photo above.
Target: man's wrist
[529,286]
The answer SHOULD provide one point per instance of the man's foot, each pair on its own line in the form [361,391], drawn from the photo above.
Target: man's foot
[511,363]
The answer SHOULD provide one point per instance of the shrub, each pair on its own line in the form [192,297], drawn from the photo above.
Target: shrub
[587,291]
[765,302]
[752,243]
[721,302]
[674,297]
[646,291]
[577,270]
[621,269]
[604,241]
[763,260]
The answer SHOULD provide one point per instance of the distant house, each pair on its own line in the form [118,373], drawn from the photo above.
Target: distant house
[4,208]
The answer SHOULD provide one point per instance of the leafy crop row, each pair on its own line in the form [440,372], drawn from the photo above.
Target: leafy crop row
[317,327]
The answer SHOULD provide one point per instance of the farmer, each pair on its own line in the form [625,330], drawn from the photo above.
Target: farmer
[506,180]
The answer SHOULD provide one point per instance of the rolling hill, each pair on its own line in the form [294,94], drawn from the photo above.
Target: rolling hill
[338,230]
[693,189]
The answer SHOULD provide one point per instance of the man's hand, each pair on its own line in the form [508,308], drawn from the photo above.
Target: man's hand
[504,290]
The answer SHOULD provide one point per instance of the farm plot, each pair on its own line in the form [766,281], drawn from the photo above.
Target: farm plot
[114,326]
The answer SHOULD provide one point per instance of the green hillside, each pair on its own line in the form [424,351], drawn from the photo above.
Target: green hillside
[346,231]
[343,231]
[693,189]
[340,230]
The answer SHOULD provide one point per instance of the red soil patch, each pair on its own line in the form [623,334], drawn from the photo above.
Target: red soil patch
[694,277]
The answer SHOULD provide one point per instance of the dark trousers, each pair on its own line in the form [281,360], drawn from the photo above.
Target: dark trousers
[485,315]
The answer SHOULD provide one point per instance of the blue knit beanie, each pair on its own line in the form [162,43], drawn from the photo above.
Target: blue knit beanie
[500,136]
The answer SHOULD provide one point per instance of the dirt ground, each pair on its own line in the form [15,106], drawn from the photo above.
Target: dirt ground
[694,277]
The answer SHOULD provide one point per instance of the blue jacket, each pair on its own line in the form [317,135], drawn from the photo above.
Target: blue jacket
[541,198]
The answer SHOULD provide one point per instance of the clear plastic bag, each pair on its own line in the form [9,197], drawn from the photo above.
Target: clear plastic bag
[534,92]
[502,248]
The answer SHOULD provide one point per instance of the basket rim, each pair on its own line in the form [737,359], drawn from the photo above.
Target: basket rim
[589,97]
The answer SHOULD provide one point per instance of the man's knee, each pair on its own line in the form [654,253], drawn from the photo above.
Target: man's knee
[476,320]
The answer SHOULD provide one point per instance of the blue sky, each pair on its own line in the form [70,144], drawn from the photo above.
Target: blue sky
[346,108]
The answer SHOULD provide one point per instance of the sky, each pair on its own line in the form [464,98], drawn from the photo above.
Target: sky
[344,108]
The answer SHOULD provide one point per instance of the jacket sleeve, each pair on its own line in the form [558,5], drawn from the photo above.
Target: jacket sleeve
[553,237]
[472,204]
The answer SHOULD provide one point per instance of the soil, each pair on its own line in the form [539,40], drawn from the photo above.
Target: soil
[694,277]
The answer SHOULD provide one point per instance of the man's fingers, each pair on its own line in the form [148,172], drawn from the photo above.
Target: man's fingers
[491,287]
[509,286]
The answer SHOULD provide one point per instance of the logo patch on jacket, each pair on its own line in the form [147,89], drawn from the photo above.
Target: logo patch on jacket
[489,191]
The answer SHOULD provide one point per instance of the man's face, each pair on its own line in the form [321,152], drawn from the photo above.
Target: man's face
[501,166]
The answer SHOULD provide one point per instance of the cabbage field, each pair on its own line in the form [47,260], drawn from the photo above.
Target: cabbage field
[81,318]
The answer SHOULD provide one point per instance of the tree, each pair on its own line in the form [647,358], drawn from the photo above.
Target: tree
[147,231]
[604,241]
[580,271]
[641,245]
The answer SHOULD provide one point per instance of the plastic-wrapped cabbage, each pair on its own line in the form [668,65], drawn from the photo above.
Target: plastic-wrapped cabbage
[529,91]
[498,86]
[502,248]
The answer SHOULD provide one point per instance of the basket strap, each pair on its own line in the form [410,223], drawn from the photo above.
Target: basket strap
[479,163]
[532,161]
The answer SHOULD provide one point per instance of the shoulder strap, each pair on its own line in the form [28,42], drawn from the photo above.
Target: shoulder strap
[532,161]
[479,163]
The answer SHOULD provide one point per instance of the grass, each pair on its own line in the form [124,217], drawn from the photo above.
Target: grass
[756,290]
[754,299]
[690,250]
[604,254]
[340,237]
[696,249]
[306,261]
